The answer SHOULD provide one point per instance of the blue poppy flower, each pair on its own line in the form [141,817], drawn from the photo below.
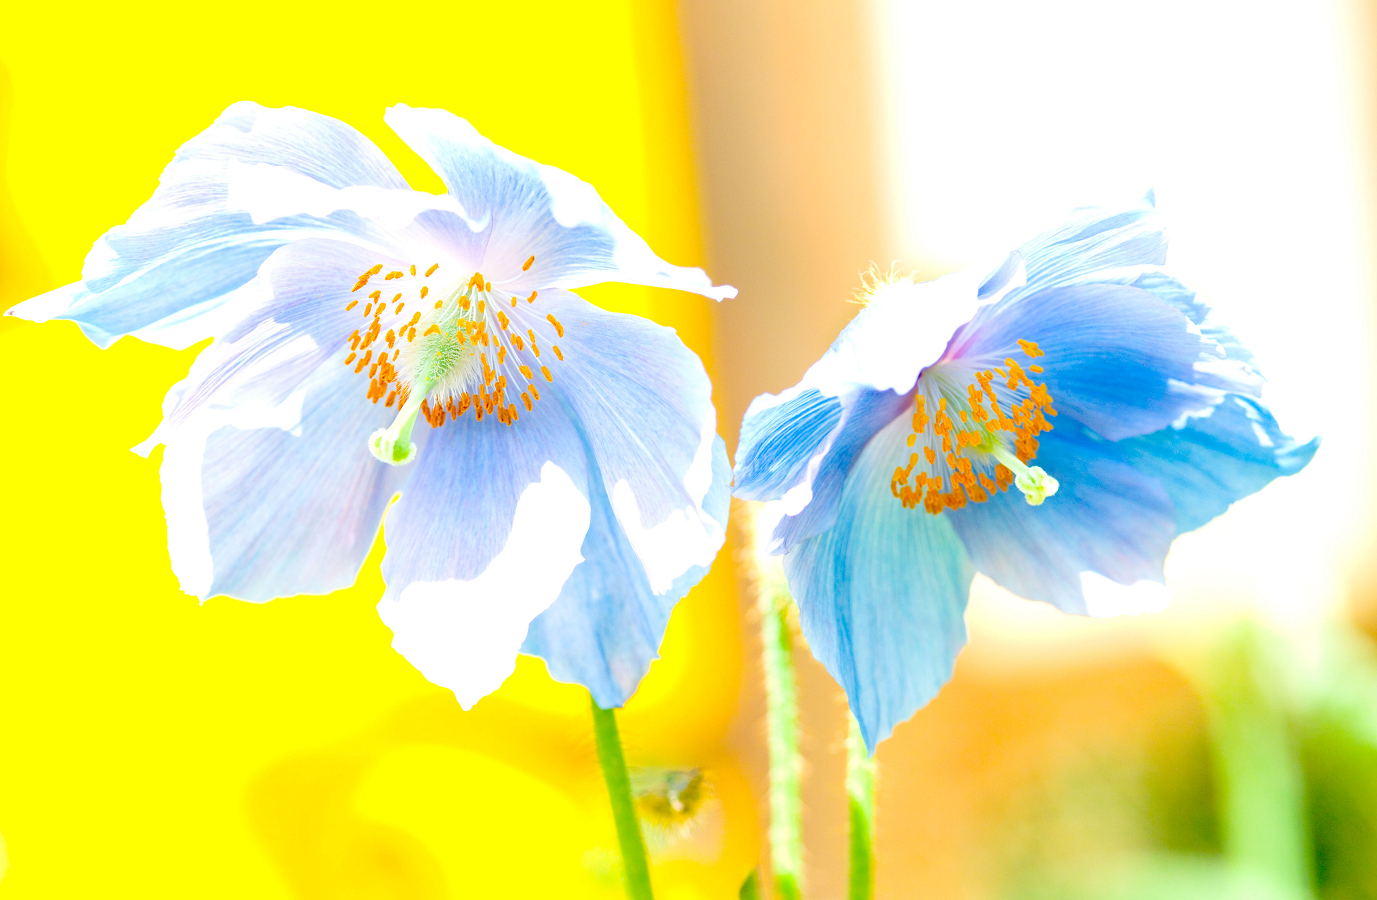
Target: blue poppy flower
[903,462]
[570,487]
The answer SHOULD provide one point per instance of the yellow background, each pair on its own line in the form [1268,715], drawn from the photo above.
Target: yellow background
[154,747]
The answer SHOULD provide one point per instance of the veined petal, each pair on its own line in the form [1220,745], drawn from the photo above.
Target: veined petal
[519,209]
[605,629]
[464,634]
[787,439]
[780,437]
[644,405]
[1118,359]
[268,485]
[1096,245]
[294,321]
[1233,450]
[1107,518]
[482,542]
[811,507]
[881,595]
[269,499]
[255,180]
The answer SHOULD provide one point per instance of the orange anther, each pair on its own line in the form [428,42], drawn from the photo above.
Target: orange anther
[375,296]
[559,329]
[531,299]
[424,290]
[534,393]
[502,319]
[431,270]
[526,266]
[352,304]
[350,358]
[433,329]
[558,353]
[391,275]
[526,399]
[525,371]
[931,455]
[1030,347]
[368,309]
[413,270]
[546,372]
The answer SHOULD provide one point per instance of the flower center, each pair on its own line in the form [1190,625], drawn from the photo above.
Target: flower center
[970,436]
[457,350]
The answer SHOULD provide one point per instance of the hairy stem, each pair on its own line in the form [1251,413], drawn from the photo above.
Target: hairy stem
[635,866]
[860,792]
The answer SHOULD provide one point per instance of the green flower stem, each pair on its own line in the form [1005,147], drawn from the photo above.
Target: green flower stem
[1260,783]
[750,888]
[860,791]
[635,866]
[782,727]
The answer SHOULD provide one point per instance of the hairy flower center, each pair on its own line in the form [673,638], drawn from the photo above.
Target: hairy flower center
[970,434]
[459,351]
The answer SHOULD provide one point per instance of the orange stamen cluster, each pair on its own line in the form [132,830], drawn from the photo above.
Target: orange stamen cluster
[491,397]
[974,427]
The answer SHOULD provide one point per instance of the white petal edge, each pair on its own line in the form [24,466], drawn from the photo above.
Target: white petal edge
[464,635]
[1104,597]
[688,536]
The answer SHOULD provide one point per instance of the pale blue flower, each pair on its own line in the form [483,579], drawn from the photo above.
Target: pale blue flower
[898,480]
[574,485]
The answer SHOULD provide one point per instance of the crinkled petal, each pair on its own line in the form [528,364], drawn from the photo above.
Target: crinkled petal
[517,208]
[606,627]
[779,440]
[881,595]
[1117,358]
[1107,518]
[787,439]
[255,180]
[298,323]
[271,500]
[482,542]
[644,404]
[1092,245]
[1234,450]
[268,485]
[811,507]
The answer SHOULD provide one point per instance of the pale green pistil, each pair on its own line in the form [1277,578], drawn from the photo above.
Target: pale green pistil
[1033,481]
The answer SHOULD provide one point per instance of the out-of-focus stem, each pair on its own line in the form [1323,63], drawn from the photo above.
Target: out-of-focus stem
[782,726]
[860,793]
[635,866]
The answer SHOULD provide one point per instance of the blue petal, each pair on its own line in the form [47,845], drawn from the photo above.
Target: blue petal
[644,404]
[1118,359]
[870,411]
[523,209]
[268,484]
[779,439]
[285,510]
[481,542]
[256,179]
[605,629]
[1108,518]
[1093,243]
[881,595]
[1219,458]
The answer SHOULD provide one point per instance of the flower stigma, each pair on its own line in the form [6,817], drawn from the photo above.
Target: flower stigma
[457,350]
[970,436]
